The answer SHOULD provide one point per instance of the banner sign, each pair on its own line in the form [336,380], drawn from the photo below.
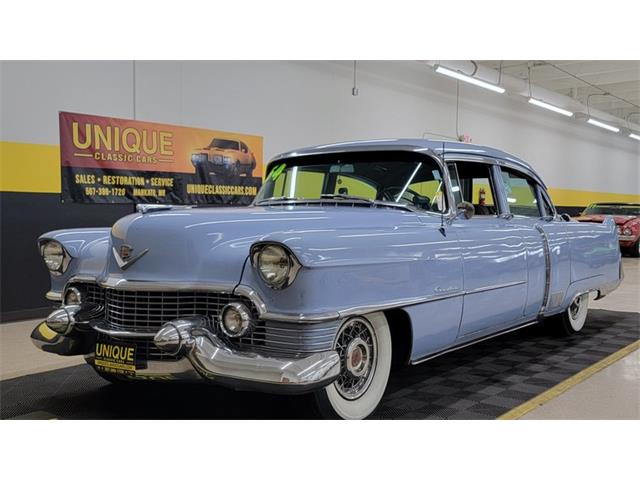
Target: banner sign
[113,160]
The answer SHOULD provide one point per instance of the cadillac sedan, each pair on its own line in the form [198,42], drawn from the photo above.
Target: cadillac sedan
[353,257]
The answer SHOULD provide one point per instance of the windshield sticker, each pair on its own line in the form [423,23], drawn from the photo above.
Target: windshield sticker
[275,173]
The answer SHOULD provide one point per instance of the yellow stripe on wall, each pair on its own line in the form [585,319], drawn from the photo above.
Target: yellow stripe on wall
[582,198]
[28,167]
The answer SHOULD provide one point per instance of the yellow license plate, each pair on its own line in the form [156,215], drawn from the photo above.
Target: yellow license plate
[115,358]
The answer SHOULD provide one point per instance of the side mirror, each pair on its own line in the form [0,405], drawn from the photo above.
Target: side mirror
[466,210]
[566,217]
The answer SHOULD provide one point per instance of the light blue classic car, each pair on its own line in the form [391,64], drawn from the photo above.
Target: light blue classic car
[353,257]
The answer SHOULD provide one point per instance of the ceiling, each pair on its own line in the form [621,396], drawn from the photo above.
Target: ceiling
[579,79]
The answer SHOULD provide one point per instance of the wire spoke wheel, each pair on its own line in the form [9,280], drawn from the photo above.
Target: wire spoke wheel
[357,347]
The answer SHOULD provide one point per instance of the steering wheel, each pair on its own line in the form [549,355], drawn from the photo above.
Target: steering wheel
[410,196]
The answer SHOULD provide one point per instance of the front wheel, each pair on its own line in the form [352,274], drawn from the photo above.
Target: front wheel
[572,320]
[634,250]
[364,346]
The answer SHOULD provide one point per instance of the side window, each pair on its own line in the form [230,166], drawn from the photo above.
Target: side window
[521,193]
[476,186]
[455,183]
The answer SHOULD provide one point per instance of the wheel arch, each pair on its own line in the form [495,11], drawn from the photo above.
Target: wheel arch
[401,336]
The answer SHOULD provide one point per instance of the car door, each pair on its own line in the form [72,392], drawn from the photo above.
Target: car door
[494,260]
[527,217]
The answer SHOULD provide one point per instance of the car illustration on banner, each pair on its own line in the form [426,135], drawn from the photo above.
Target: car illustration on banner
[627,218]
[224,157]
[353,257]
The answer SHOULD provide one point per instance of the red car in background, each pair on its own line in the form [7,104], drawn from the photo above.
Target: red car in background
[627,218]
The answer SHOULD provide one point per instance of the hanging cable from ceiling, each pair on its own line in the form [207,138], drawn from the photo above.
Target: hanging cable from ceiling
[354,90]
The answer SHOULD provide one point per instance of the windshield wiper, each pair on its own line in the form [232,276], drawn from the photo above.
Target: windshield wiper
[342,196]
[381,203]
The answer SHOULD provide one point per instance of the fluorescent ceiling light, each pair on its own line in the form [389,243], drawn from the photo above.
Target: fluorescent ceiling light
[634,136]
[468,79]
[548,106]
[606,126]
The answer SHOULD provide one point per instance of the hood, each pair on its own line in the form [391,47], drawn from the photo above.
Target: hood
[210,245]
[618,219]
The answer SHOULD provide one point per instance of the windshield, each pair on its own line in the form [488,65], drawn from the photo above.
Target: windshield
[612,210]
[224,144]
[403,178]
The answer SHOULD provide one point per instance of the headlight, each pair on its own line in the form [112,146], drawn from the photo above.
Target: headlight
[619,229]
[626,231]
[275,265]
[54,256]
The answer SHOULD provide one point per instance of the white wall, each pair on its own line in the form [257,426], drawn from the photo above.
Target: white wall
[293,104]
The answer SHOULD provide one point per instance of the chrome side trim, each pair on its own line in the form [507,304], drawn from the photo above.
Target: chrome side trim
[477,340]
[547,269]
[365,309]
[359,310]
[494,287]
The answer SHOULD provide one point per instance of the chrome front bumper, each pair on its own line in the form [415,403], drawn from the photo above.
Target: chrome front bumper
[202,356]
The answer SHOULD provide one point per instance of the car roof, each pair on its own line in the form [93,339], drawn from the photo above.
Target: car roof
[416,144]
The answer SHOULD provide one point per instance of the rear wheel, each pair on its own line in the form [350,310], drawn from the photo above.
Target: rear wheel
[364,346]
[572,320]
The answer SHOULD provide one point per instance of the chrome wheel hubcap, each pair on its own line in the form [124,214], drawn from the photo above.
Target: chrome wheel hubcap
[356,345]
[577,313]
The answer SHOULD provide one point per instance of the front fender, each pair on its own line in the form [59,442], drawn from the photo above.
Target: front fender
[347,270]
[88,248]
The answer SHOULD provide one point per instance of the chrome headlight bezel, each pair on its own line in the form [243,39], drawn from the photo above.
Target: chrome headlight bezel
[292,264]
[627,232]
[55,267]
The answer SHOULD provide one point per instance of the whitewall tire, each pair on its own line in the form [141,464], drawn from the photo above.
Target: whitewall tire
[364,346]
[572,320]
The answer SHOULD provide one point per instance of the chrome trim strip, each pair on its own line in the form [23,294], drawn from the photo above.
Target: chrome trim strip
[358,310]
[53,296]
[133,285]
[626,238]
[547,269]
[494,287]
[466,344]
[102,327]
[251,294]
[82,279]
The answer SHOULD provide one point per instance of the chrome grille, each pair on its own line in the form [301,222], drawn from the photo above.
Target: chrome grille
[287,339]
[147,311]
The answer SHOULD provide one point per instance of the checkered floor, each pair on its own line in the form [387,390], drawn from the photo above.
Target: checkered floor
[479,382]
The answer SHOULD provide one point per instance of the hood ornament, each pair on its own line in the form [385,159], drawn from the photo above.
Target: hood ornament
[123,256]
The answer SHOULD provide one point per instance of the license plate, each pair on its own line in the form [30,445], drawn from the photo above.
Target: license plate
[115,358]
